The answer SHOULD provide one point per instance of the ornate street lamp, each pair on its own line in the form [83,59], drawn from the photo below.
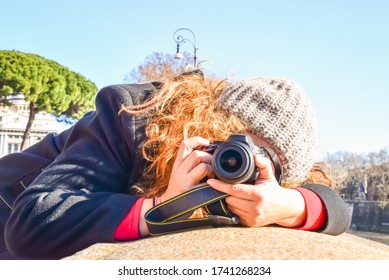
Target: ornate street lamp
[179,39]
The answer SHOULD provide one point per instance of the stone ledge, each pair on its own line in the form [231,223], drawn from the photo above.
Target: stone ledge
[237,243]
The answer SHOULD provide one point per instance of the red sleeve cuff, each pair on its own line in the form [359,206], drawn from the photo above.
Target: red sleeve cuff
[316,211]
[128,229]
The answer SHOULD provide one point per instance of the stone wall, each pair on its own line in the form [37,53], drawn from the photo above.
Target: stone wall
[239,243]
[266,243]
[369,215]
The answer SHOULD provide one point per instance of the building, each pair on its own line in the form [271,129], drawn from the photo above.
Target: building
[13,121]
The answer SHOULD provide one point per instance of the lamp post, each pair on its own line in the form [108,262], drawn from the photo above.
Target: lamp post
[179,39]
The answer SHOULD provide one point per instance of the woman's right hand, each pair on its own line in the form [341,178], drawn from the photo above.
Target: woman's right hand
[190,166]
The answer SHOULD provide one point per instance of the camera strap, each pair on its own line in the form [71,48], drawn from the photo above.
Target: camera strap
[173,215]
[276,163]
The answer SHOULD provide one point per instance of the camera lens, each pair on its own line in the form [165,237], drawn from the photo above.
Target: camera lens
[231,161]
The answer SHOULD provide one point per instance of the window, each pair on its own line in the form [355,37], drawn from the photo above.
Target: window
[13,148]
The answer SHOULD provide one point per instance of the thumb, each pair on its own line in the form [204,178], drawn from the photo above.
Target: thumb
[266,169]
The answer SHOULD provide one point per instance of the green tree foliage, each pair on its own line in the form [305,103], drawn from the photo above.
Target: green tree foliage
[47,85]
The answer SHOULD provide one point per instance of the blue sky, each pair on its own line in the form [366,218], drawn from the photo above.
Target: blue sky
[337,50]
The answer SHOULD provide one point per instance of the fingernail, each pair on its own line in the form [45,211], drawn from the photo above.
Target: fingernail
[210,181]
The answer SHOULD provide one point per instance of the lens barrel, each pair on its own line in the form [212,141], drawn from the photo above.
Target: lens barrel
[233,162]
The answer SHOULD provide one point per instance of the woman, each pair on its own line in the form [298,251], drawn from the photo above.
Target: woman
[142,146]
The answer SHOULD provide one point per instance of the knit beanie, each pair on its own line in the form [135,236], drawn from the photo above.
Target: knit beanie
[277,110]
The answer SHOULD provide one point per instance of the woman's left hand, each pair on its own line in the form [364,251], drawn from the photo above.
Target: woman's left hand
[264,203]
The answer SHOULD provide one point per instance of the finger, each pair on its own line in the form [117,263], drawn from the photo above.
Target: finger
[243,215]
[200,171]
[265,168]
[238,204]
[195,158]
[188,145]
[247,192]
[248,212]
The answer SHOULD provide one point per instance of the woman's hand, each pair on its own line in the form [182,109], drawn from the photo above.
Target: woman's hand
[264,203]
[190,166]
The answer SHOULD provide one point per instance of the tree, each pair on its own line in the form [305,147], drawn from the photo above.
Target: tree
[46,85]
[157,67]
[368,170]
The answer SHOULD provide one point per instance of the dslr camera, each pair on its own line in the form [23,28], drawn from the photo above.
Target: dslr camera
[233,160]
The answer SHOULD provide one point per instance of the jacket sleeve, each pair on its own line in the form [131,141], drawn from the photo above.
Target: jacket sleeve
[338,216]
[82,196]
[316,211]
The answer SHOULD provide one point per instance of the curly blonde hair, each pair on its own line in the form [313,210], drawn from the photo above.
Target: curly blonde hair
[185,107]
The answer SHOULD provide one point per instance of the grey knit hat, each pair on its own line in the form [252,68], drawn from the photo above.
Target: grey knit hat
[277,110]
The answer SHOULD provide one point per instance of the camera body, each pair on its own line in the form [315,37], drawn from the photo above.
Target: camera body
[233,160]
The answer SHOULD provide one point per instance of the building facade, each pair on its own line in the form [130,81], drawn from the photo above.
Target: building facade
[13,121]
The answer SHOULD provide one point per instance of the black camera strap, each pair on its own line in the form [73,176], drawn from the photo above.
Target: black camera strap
[276,163]
[173,215]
